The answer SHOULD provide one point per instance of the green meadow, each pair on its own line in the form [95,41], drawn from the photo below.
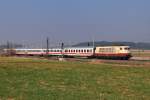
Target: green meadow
[39,79]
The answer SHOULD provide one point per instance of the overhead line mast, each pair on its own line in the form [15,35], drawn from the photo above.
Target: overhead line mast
[47,45]
[93,45]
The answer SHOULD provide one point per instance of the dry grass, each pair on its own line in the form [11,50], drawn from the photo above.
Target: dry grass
[140,53]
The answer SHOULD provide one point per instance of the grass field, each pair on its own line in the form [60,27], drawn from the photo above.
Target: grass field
[34,79]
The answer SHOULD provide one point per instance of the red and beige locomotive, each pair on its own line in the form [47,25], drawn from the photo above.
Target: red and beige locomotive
[110,52]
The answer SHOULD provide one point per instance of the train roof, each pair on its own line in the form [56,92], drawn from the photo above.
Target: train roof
[91,47]
[38,49]
[112,46]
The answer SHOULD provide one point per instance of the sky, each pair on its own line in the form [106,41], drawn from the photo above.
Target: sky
[72,21]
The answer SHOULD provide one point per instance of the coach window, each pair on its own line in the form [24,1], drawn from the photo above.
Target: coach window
[102,49]
[76,50]
[38,50]
[120,48]
[99,49]
[90,50]
[84,50]
[126,48]
[87,50]
[110,49]
[79,50]
[107,49]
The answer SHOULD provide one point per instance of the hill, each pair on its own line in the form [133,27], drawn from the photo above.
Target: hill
[133,45]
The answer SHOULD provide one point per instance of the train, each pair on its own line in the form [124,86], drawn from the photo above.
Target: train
[104,52]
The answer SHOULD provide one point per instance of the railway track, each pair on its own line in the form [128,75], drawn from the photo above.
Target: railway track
[124,63]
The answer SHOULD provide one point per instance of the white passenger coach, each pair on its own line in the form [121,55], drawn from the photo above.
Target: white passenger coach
[107,52]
